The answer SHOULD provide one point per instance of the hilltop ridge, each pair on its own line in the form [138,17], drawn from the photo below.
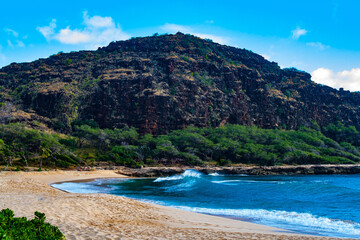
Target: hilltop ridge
[162,83]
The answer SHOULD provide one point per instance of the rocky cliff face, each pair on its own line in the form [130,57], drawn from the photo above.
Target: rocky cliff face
[161,83]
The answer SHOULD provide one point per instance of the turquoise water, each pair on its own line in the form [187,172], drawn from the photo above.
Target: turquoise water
[326,205]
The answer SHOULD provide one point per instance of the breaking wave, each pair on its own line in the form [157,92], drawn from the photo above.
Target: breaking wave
[190,173]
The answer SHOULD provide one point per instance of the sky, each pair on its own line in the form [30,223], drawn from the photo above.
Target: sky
[320,37]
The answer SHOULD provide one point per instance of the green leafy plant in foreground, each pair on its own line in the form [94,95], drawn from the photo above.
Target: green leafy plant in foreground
[21,228]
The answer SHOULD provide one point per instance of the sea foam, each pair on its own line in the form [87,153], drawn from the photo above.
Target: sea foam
[306,221]
[215,174]
[96,186]
[76,187]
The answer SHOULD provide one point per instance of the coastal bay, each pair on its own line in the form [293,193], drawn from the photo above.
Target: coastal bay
[103,216]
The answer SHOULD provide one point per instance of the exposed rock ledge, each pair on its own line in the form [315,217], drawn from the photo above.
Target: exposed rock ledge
[254,170]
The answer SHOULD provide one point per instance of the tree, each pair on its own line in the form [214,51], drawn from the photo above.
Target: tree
[45,152]
[5,153]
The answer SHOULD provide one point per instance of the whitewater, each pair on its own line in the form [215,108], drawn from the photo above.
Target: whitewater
[326,205]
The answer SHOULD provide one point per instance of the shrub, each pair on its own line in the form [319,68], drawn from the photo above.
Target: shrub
[68,61]
[21,228]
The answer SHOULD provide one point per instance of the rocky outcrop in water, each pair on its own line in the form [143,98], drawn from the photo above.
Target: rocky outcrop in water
[256,170]
[150,171]
[287,170]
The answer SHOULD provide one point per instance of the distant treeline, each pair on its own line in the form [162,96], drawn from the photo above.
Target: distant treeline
[231,144]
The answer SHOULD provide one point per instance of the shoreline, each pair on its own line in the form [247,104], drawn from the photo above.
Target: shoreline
[279,230]
[103,216]
[321,169]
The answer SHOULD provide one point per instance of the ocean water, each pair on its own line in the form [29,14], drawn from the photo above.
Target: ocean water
[325,205]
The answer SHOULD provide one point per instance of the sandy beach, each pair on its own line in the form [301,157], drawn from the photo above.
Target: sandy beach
[103,216]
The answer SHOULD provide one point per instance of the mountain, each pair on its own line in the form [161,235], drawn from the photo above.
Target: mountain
[161,83]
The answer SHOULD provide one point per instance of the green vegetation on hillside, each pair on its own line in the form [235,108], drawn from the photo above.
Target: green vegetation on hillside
[231,144]
[28,146]
[21,228]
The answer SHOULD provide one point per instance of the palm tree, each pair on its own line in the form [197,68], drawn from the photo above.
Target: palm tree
[45,152]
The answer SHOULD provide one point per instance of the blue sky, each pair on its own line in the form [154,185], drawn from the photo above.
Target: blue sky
[320,37]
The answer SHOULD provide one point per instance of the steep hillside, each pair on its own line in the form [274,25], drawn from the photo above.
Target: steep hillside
[161,83]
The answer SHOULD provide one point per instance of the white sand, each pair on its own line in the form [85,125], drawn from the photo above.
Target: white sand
[103,216]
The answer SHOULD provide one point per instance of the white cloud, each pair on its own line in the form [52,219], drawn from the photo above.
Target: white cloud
[98,22]
[324,76]
[349,80]
[20,43]
[174,28]
[97,31]
[209,21]
[10,44]
[298,32]
[69,36]
[48,31]
[318,45]
[15,34]
[12,32]
[3,59]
